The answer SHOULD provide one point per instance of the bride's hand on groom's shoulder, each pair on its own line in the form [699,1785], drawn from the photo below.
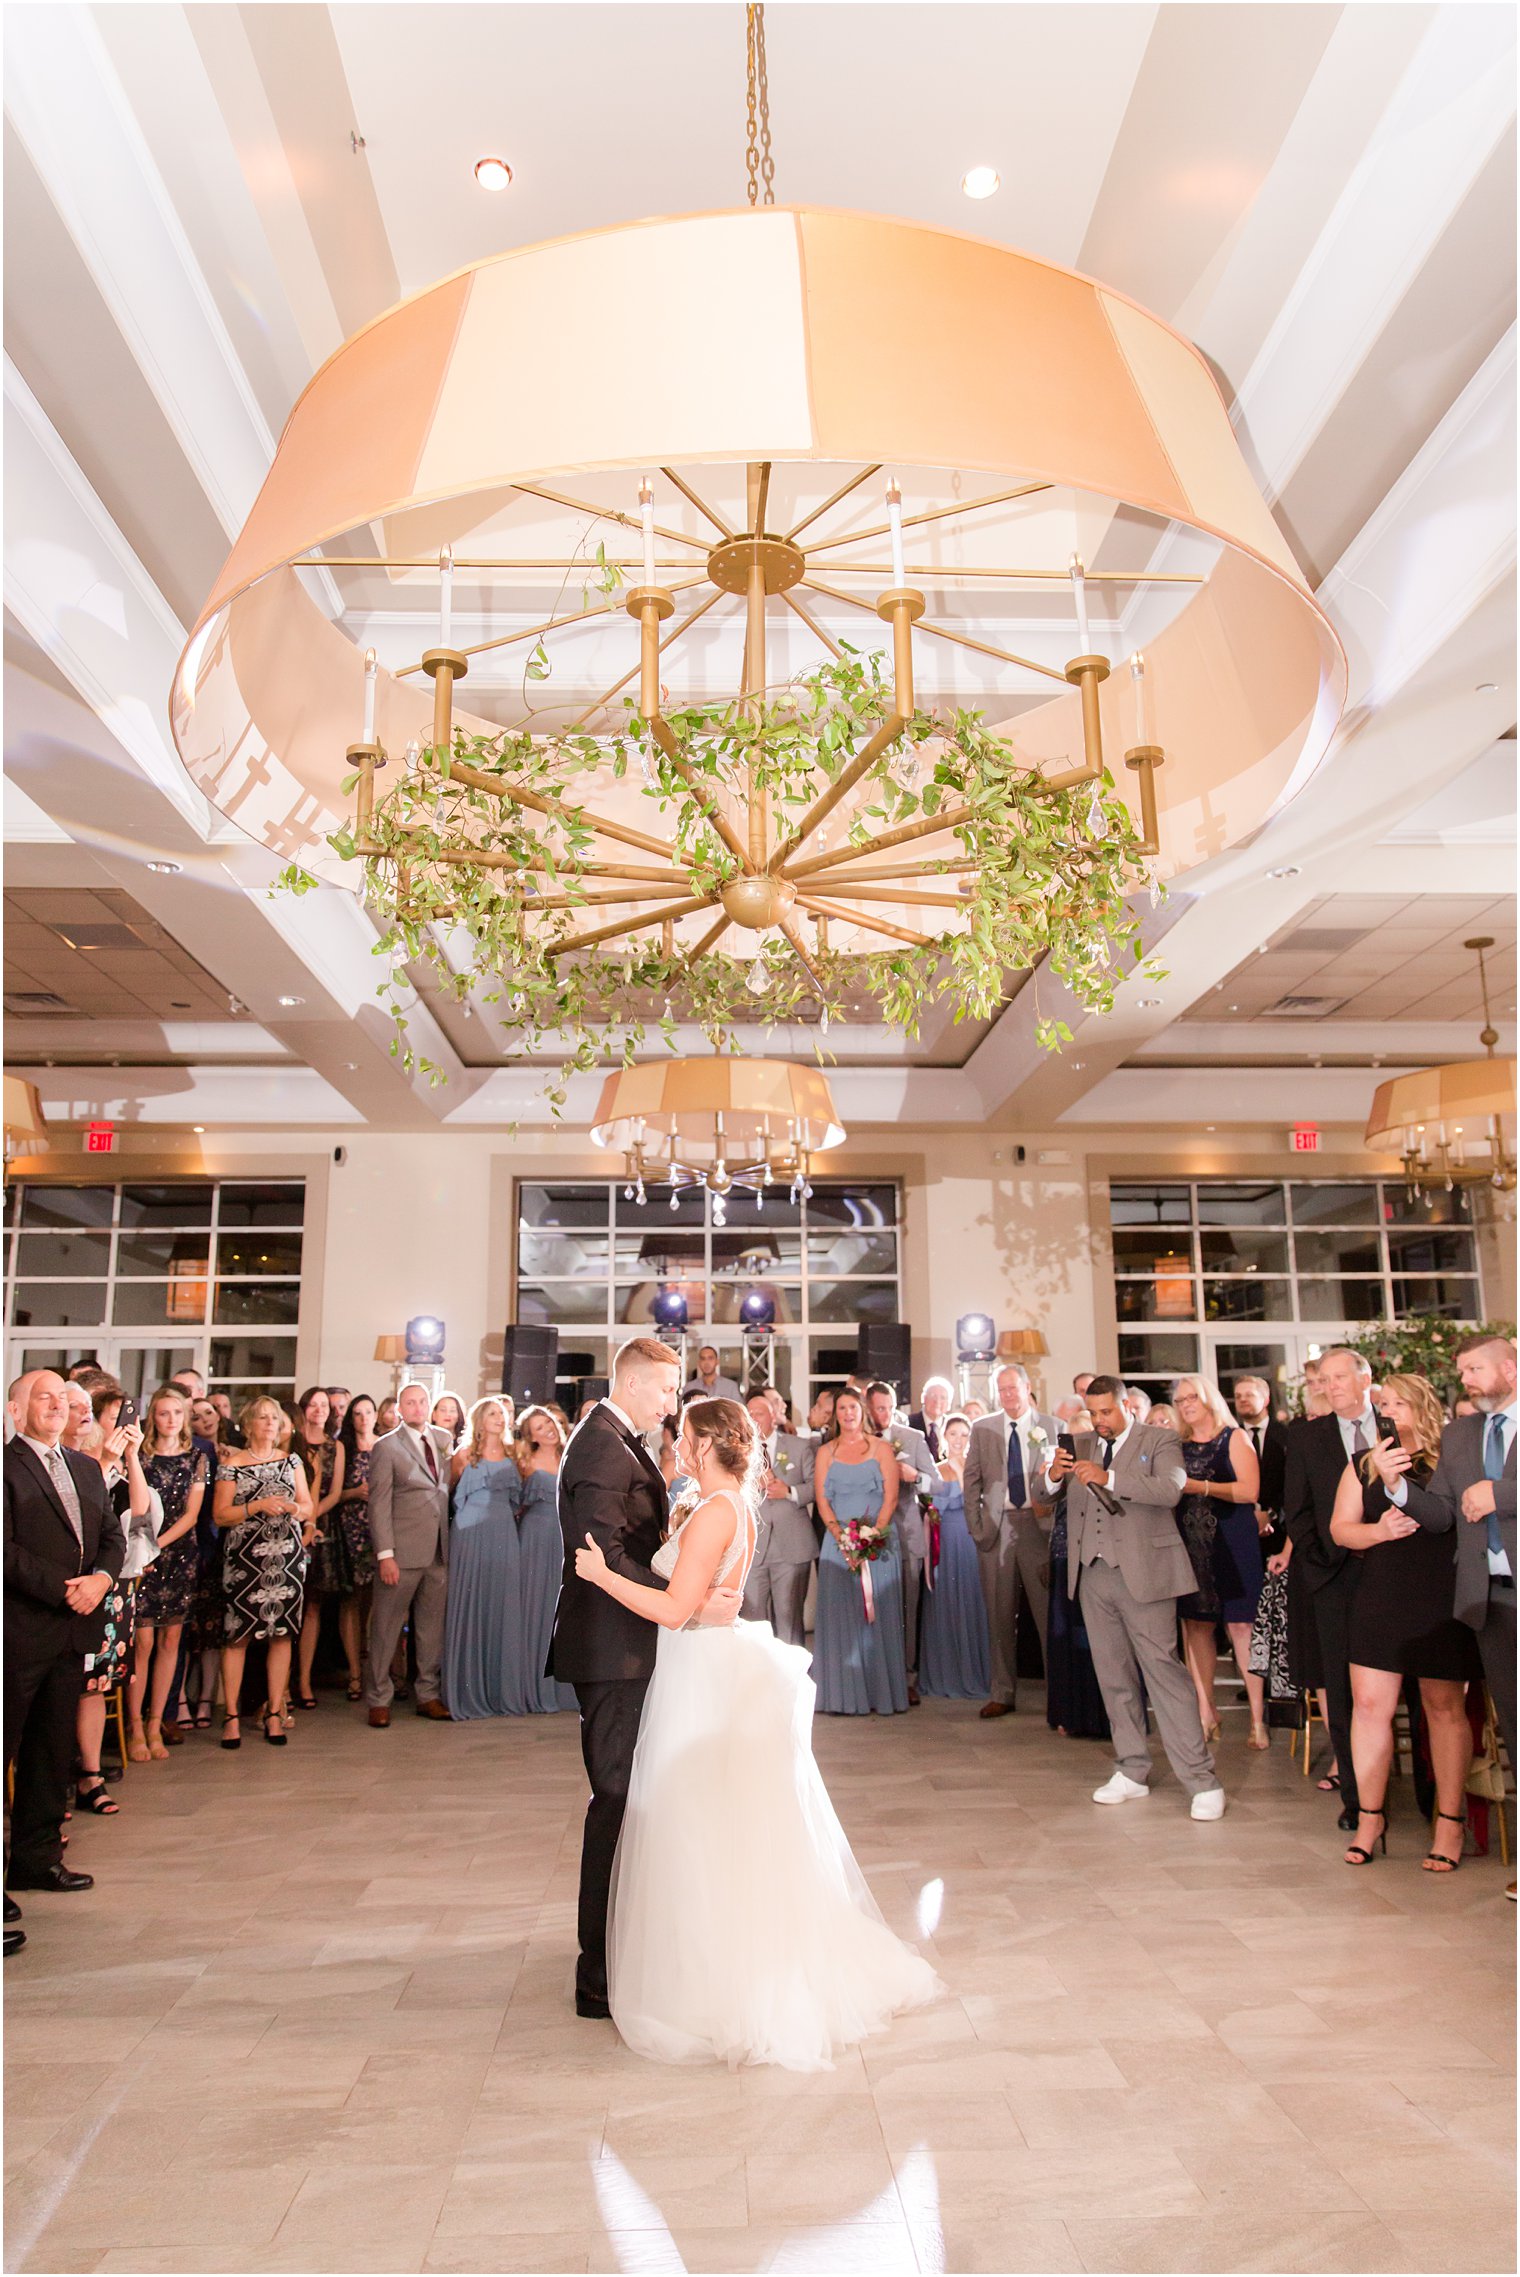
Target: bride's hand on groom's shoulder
[590,1565]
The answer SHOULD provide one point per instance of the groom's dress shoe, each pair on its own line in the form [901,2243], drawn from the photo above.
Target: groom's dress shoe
[586,2004]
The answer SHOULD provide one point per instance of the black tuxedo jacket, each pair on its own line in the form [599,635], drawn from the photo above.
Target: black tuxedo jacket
[41,1554]
[1315,1466]
[610,1488]
[1273,1456]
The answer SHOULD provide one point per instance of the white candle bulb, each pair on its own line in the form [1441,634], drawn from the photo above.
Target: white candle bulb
[1137,674]
[1079,588]
[646,512]
[445,596]
[894,518]
[369,696]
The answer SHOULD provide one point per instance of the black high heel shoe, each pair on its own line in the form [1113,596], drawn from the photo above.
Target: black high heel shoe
[1436,1861]
[272,1731]
[231,1743]
[1356,1856]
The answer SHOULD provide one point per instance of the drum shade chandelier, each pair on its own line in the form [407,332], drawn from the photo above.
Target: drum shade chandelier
[1447,1123]
[713,434]
[723,1123]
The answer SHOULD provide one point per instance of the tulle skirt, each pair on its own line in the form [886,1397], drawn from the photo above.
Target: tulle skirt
[741,1928]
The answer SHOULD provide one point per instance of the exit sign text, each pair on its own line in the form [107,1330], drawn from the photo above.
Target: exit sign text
[1305,1137]
[100,1138]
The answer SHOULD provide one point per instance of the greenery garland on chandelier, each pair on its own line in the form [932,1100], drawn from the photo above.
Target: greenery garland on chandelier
[1042,873]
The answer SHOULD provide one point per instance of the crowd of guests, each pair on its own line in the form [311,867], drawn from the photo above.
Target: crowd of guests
[1362,1550]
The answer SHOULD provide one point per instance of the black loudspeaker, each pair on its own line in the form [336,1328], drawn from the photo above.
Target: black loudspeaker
[529,1364]
[884,1351]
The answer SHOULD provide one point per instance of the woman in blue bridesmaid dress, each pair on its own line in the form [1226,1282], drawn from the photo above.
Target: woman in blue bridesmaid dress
[859,1663]
[537,1447]
[482,1647]
[954,1649]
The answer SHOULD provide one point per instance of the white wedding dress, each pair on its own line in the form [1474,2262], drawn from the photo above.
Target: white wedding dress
[740,1926]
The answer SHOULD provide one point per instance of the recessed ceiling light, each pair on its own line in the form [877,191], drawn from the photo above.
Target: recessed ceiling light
[1232,1008]
[176,1006]
[1148,1003]
[1211,1126]
[493,173]
[199,1129]
[1487,688]
[1288,870]
[981,181]
[290,1002]
[165,869]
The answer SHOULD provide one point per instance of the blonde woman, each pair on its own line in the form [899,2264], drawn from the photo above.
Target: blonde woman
[1217,1520]
[263,1510]
[179,1476]
[1402,1624]
[482,1675]
[537,1446]
[858,1642]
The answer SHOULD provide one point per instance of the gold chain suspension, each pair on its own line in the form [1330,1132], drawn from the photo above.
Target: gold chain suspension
[759,164]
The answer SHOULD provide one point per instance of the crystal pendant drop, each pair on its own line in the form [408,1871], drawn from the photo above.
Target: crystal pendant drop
[823,1021]
[1155,889]
[651,777]
[1097,820]
[757,980]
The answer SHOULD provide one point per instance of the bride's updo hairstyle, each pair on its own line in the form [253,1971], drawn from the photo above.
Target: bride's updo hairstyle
[728,1429]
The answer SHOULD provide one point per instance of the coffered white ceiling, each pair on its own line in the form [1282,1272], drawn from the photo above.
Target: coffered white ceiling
[202,202]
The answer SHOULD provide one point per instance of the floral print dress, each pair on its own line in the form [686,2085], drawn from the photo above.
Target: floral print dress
[167,1591]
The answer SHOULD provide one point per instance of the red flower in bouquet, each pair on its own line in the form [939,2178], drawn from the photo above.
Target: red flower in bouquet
[863,1543]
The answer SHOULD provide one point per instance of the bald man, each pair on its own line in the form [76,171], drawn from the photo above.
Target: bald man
[63,1550]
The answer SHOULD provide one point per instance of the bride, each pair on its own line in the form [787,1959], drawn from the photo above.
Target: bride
[740,1926]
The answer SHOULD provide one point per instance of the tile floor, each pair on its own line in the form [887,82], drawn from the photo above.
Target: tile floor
[314,2016]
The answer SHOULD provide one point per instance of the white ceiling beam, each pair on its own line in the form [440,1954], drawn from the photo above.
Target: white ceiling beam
[1453,104]
[1390,1043]
[65,99]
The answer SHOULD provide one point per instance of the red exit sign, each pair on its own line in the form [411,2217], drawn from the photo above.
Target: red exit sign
[1305,1137]
[100,1138]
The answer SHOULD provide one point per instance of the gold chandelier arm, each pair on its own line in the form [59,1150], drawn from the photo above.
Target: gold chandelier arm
[897,893]
[793,933]
[670,910]
[605,514]
[824,805]
[814,627]
[934,573]
[669,640]
[534,632]
[868,924]
[942,632]
[475,779]
[509,858]
[664,735]
[954,818]
[709,940]
[630,897]
[928,868]
[932,514]
[854,483]
[757,492]
[690,495]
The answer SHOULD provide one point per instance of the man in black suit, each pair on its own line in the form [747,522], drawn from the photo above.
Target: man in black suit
[1318,1453]
[611,1488]
[63,1550]
[1252,1401]
[928,1420]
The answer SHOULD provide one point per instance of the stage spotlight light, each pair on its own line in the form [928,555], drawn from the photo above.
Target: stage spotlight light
[424,1341]
[975,1336]
[757,1309]
[669,1309]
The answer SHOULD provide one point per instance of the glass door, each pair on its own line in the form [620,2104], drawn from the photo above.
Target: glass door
[141,1364]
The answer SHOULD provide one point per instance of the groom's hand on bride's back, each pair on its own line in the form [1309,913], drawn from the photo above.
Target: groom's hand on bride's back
[721,1609]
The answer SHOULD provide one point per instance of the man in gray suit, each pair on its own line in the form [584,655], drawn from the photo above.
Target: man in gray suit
[916,1471]
[1009,1528]
[1473,1493]
[409,1525]
[1123,1482]
[785,1543]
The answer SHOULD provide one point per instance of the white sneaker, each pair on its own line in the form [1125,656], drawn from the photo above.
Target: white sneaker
[1210,1804]
[1120,1789]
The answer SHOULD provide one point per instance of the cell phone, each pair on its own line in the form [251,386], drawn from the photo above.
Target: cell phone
[127,1415]
[1386,1428]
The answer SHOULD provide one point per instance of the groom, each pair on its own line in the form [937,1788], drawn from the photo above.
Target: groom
[611,1488]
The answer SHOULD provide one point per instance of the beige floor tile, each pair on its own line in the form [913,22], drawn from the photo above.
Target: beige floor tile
[1005,2248]
[553,2254]
[651,2193]
[391,2205]
[1415,2177]
[1458,2239]
[795,2188]
[175,2209]
[1352,2243]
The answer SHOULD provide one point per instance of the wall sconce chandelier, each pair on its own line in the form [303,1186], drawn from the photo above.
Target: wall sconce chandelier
[1447,1123]
[725,1123]
[840,416]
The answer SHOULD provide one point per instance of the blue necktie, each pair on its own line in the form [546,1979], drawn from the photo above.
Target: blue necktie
[1017,1496]
[1493,1467]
